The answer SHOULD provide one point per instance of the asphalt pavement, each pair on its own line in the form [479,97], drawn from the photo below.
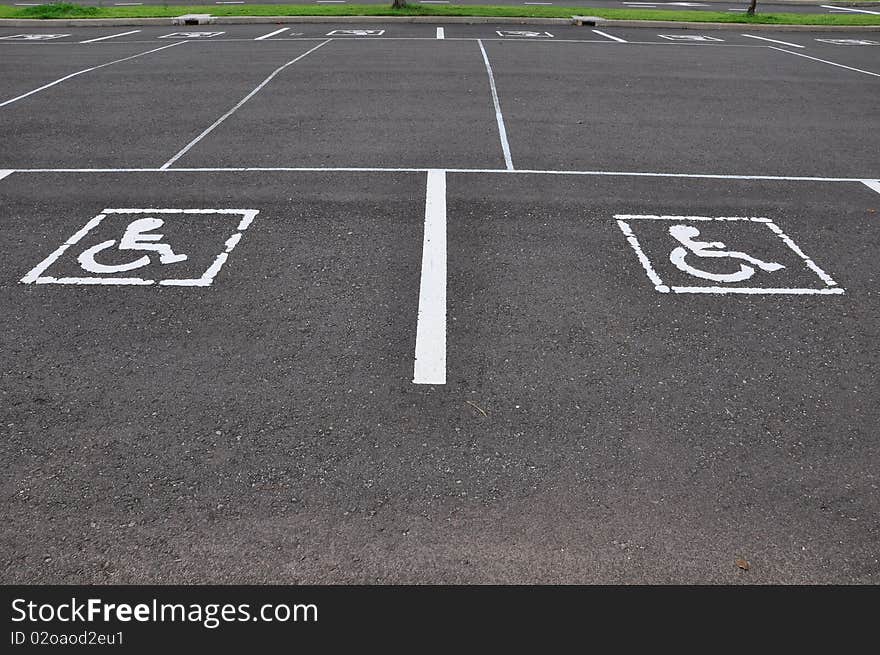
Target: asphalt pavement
[611,411]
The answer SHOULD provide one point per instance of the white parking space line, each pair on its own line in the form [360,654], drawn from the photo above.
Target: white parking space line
[490,171]
[824,61]
[857,11]
[5,173]
[271,34]
[502,131]
[128,4]
[112,36]
[608,36]
[430,356]
[874,185]
[441,33]
[87,70]
[762,38]
[229,113]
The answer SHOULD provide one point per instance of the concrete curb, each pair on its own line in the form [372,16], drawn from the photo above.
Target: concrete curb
[470,20]
[593,21]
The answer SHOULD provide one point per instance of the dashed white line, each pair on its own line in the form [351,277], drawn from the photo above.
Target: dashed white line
[87,70]
[271,34]
[430,356]
[112,36]
[441,33]
[824,61]
[502,131]
[229,113]
[762,38]
[857,11]
[608,36]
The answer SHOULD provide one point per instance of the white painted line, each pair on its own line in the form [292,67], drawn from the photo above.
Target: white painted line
[332,2]
[874,185]
[762,38]
[5,173]
[112,36]
[430,358]
[271,34]
[128,4]
[642,257]
[87,70]
[490,171]
[824,61]
[608,36]
[229,113]
[759,291]
[737,10]
[32,276]
[858,11]
[229,2]
[502,132]
[433,2]
[537,3]
[809,262]
[441,33]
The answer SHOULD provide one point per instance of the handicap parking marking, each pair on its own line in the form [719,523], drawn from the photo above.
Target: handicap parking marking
[524,34]
[849,41]
[690,37]
[356,33]
[679,255]
[180,258]
[32,37]
[191,35]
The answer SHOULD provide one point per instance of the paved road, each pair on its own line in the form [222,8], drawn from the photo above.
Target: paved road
[710,5]
[598,422]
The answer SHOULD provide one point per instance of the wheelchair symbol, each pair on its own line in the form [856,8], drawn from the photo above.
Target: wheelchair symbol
[686,235]
[137,238]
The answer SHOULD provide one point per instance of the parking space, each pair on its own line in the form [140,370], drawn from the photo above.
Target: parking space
[135,113]
[683,110]
[365,104]
[446,366]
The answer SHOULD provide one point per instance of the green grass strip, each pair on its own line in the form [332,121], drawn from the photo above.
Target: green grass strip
[67,10]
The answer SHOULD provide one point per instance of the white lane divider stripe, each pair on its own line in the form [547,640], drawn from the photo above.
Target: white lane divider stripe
[608,36]
[762,38]
[112,36]
[87,70]
[430,356]
[271,34]
[229,113]
[502,131]
[858,11]
[824,61]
